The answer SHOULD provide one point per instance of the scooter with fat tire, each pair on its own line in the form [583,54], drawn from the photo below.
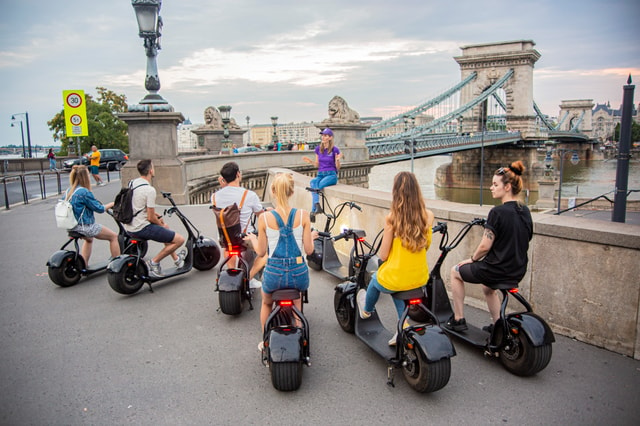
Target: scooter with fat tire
[129,272]
[422,351]
[521,339]
[324,256]
[232,283]
[286,340]
[66,267]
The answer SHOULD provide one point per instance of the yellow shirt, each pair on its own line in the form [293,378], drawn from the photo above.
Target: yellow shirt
[95,158]
[404,270]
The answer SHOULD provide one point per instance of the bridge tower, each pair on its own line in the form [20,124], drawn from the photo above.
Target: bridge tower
[491,61]
[576,113]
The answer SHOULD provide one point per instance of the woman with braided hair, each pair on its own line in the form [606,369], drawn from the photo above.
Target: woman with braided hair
[501,256]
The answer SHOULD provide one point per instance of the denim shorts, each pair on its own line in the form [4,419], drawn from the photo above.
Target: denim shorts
[278,275]
[154,232]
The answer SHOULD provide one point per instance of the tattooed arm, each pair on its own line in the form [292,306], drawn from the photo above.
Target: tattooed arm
[485,245]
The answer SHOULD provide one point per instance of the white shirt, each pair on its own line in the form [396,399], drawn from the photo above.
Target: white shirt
[233,194]
[143,197]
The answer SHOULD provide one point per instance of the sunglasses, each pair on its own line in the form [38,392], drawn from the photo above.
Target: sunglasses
[502,170]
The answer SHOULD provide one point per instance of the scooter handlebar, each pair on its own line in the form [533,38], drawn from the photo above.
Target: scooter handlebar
[354,205]
[316,190]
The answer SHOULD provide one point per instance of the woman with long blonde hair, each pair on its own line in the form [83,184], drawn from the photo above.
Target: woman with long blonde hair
[284,243]
[84,205]
[405,240]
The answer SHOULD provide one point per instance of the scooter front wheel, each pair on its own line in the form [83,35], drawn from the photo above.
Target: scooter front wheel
[521,358]
[69,272]
[423,376]
[286,376]
[345,314]
[205,258]
[129,279]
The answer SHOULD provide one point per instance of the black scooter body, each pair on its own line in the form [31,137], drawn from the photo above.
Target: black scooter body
[57,258]
[232,284]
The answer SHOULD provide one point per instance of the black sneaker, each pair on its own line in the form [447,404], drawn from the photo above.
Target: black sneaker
[457,325]
[312,217]
[488,328]
[318,208]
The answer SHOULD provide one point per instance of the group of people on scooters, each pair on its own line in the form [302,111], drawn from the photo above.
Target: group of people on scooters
[284,233]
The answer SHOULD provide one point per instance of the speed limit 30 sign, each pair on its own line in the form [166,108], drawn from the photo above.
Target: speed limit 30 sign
[75,113]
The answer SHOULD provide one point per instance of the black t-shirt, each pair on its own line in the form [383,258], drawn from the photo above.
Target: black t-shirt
[507,259]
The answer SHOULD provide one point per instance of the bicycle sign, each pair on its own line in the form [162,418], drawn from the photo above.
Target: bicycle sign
[75,113]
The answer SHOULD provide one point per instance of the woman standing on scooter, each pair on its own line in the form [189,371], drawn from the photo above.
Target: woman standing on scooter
[286,267]
[406,238]
[328,163]
[84,204]
[501,256]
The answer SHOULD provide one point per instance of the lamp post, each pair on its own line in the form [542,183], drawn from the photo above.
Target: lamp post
[574,160]
[225,114]
[13,118]
[274,137]
[248,130]
[150,28]
[483,113]
[24,152]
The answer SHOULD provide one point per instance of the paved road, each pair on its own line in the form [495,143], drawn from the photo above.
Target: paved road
[87,355]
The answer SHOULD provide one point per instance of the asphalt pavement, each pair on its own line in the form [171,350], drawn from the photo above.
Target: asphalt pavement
[87,355]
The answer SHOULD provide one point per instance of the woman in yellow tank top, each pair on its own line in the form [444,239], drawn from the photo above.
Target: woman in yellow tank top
[406,238]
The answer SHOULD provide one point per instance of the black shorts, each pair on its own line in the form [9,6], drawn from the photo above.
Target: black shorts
[466,271]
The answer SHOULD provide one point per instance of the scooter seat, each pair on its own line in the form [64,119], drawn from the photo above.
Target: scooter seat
[74,234]
[502,286]
[286,294]
[415,293]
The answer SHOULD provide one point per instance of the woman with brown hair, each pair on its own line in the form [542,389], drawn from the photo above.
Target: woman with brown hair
[405,240]
[84,205]
[501,256]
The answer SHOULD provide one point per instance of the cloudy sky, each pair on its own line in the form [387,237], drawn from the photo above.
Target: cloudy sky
[290,57]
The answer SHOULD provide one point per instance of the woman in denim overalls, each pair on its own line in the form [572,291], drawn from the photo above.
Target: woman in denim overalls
[286,265]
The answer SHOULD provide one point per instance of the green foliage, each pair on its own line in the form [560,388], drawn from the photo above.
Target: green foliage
[635,132]
[105,129]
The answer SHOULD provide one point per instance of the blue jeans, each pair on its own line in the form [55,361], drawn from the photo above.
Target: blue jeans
[52,164]
[373,293]
[323,180]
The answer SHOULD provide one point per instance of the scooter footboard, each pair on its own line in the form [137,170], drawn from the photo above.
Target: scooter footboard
[285,344]
[534,327]
[55,261]
[433,342]
[230,280]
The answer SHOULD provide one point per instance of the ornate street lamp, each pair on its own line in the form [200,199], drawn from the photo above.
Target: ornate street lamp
[248,130]
[150,29]
[274,137]
[24,152]
[225,114]
[26,115]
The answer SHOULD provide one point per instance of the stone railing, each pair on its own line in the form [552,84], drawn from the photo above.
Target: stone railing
[583,276]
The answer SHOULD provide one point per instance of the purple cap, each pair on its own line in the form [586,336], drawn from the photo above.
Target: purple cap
[327,131]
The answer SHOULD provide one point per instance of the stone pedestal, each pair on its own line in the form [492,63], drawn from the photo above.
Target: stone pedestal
[349,137]
[546,191]
[211,139]
[154,135]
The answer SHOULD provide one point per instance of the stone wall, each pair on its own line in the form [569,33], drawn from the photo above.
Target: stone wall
[583,276]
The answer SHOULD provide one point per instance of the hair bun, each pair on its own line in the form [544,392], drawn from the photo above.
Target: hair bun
[516,168]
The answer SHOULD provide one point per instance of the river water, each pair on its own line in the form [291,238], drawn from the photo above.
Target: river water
[587,179]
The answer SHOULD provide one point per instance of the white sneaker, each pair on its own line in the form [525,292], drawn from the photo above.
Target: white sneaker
[179,262]
[360,299]
[154,269]
[392,341]
[255,283]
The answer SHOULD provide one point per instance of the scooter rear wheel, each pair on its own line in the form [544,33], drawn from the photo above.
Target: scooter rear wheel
[423,376]
[522,358]
[129,279]
[345,314]
[230,302]
[286,376]
[69,272]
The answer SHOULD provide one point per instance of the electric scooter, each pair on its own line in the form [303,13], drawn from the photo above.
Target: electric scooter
[232,283]
[521,340]
[286,340]
[128,272]
[66,267]
[324,256]
[422,351]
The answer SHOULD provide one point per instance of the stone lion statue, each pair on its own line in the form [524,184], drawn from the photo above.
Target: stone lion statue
[213,119]
[339,112]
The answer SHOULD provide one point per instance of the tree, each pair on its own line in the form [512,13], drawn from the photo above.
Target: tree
[106,130]
[635,132]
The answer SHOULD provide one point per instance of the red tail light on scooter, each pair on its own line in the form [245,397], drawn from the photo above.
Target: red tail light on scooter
[286,302]
[234,251]
[513,290]
[415,301]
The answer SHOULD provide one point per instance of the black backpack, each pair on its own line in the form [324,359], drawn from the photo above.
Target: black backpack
[123,204]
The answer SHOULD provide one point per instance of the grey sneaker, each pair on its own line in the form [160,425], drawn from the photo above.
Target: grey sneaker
[154,269]
[360,299]
[179,262]
[255,284]
[392,341]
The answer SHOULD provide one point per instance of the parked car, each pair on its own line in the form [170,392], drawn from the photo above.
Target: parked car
[245,149]
[114,159]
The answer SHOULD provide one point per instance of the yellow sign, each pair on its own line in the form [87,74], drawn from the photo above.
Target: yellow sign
[75,113]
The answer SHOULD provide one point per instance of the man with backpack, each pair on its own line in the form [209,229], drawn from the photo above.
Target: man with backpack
[248,202]
[147,224]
